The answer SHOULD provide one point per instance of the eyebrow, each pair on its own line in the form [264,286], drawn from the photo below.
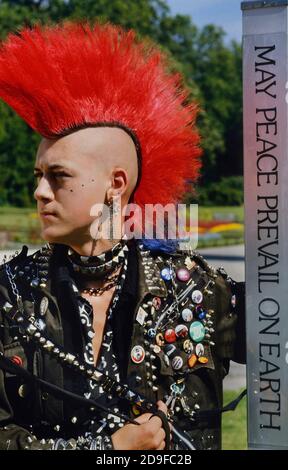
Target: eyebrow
[54,166]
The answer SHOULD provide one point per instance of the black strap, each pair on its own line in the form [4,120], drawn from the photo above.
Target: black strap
[165,426]
[60,393]
[204,415]
[201,415]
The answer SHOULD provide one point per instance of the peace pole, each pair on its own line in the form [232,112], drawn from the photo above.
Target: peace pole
[265,86]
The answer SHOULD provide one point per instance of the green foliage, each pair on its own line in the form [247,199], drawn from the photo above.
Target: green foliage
[226,192]
[211,70]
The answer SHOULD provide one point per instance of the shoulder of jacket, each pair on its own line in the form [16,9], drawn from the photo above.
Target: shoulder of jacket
[14,259]
[190,259]
[19,262]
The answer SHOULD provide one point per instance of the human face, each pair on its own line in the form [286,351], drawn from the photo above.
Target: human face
[71,178]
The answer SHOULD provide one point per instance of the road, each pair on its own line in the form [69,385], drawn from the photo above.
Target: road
[232,259]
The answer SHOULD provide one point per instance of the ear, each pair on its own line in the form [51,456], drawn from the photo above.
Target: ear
[119,183]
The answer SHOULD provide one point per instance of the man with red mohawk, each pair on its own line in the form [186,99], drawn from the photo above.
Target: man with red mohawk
[107,342]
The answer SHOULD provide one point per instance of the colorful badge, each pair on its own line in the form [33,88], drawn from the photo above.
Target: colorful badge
[170,336]
[197,331]
[181,331]
[203,359]
[192,361]
[199,350]
[188,346]
[177,362]
[183,274]
[151,333]
[166,274]
[137,354]
[197,296]
[169,349]
[187,315]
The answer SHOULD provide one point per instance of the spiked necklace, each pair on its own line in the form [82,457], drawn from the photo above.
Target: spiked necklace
[99,266]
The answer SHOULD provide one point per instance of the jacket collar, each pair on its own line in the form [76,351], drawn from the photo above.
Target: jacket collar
[149,277]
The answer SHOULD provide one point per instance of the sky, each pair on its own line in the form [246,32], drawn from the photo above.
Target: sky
[225,13]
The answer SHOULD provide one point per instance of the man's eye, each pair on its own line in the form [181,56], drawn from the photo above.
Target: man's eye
[53,175]
[60,175]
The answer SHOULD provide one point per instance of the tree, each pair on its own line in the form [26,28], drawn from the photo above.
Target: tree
[211,70]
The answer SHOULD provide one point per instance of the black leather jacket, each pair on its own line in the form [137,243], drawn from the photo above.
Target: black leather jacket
[25,410]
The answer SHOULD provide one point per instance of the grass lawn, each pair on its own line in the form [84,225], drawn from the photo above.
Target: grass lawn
[17,218]
[234,432]
[22,225]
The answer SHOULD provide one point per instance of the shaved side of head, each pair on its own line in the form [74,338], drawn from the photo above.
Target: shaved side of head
[109,148]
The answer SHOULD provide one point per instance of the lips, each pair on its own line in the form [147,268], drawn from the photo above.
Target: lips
[46,214]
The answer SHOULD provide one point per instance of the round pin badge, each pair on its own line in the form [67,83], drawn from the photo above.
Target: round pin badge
[197,331]
[166,274]
[183,274]
[151,333]
[187,315]
[177,362]
[197,296]
[188,346]
[169,349]
[181,331]
[199,350]
[170,336]
[137,354]
[156,349]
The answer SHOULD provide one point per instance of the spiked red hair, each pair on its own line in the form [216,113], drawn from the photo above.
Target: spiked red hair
[60,78]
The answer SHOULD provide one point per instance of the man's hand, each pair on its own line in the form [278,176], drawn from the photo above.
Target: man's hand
[149,435]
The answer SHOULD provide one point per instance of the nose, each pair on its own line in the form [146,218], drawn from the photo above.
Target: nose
[43,192]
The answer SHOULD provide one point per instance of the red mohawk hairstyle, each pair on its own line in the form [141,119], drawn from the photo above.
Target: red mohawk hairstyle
[65,77]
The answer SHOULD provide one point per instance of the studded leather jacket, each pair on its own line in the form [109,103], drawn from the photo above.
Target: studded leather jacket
[185,328]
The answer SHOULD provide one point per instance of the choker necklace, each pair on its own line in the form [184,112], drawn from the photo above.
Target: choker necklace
[99,266]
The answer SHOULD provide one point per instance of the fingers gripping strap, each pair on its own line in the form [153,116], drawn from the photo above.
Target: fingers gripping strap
[165,426]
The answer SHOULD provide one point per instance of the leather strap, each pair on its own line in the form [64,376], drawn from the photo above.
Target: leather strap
[165,426]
